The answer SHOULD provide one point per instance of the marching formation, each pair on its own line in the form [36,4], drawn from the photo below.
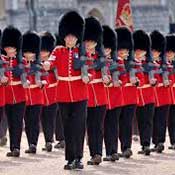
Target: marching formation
[98,79]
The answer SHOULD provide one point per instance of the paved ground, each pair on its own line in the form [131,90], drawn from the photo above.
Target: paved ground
[52,163]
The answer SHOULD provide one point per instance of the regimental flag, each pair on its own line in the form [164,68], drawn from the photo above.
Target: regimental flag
[124,14]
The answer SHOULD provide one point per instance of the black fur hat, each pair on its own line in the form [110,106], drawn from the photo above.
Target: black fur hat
[158,41]
[31,42]
[11,37]
[71,23]
[141,40]
[47,41]
[109,38]
[170,39]
[93,30]
[124,38]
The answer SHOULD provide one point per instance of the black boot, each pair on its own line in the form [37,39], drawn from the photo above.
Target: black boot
[127,153]
[14,153]
[145,150]
[96,160]
[172,147]
[48,147]
[79,164]
[70,165]
[31,150]
[160,148]
[60,144]
[114,157]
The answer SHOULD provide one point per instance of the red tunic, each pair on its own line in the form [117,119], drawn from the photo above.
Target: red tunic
[70,87]
[50,91]
[115,94]
[130,93]
[34,93]
[14,92]
[172,78]
[162,93]
[96,89]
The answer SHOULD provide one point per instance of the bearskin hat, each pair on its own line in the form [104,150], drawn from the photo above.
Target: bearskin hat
[170,40]
[141,40]
[31,42]
[93,30]
[11,37]
[109,38]
[158,41]
[71,23]
[124,38]
[47,41]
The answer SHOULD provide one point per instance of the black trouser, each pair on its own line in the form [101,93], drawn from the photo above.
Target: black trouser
[59,130]
[144,116]
[74,122]
[171,124]
[159,124]
[47,119]
[3,125]
[15,114]
[125,126]
[111,124]
[32,121]
[95,121]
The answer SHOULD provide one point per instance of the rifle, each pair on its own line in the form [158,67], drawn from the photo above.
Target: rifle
[149,67]
[114,70]
[36,70]
[130,68]
[100,64]
[164,71]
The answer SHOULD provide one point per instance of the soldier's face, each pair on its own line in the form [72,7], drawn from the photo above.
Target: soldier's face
[10,51]
[170,55]
[44,55]
[90,45]
[29,56]
[107,52]
[70,41]
[139,54]
[123,53]
[155,54]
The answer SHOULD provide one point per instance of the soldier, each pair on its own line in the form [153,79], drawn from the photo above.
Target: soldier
[49,110]
[114,95]
[162,92]
[35,100]
[15,96]
[97,96]
[170,55]
[72,92]
[145,108]
[59,130]
[3,79]
[124,48]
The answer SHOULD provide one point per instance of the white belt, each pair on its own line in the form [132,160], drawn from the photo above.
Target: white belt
[128,84]
[52,85]
[14,83]
[160,85]
[74,78]
[144,86]
[32,86]
[96,81]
